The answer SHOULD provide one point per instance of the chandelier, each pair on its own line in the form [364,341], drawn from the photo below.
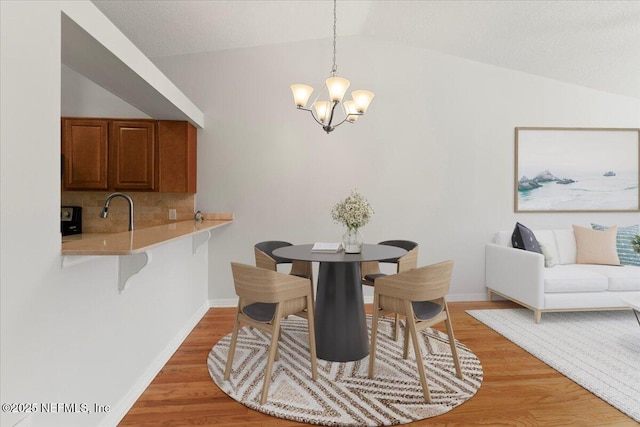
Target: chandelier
[329,108]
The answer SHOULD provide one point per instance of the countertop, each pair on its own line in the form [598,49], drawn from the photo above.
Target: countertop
[137,241]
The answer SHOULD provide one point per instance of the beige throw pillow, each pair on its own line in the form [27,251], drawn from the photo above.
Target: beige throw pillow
[595,246]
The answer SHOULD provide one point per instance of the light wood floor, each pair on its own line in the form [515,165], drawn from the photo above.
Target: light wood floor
[517,390]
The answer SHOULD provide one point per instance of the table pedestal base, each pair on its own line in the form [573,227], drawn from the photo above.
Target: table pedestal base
[341,325]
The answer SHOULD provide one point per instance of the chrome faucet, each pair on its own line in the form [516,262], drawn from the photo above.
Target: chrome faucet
[105,209]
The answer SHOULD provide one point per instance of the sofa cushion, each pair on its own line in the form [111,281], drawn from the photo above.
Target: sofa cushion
[566,245]
[624,237]
[621,278]
[523,238]
[503,238]
[573,278]
[595,246]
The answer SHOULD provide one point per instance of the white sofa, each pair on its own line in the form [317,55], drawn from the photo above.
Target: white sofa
[521,276]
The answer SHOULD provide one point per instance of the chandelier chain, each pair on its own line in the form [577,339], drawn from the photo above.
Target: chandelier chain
[334,70]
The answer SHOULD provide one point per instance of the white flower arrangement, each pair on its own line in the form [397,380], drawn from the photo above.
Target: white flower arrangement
[353,212]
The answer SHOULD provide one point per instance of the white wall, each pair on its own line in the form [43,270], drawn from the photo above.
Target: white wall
[434,154]
[80,96]
[67,335]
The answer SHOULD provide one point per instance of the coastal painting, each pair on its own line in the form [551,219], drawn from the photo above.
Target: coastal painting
[577,170]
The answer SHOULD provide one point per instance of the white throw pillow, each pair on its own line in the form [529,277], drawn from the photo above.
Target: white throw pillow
[549,259]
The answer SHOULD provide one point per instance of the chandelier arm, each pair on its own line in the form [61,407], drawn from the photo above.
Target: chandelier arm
[312,115]
[343,120]
[333,108]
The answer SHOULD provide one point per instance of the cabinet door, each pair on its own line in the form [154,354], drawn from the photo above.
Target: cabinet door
[132,151]
[177,145]
[84,144]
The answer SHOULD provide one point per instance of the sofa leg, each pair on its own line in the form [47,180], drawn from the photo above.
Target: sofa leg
[489,293]
[538,315]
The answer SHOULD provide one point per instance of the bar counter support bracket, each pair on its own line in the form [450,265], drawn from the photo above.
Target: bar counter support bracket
[199,240]
[71,260]
[128,265]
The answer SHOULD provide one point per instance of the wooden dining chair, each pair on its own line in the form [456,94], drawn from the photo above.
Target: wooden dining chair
[370,270]
[265,258]
[265,297]
[419,294]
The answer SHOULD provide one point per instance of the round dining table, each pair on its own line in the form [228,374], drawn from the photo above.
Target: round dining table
[340,320]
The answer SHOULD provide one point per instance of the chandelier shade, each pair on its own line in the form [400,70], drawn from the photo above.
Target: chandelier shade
[301,94]
[362,99]
[329,108]
[352,113]
[337,88]
[322,109]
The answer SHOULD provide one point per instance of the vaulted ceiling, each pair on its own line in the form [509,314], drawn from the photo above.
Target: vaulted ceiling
[592,43]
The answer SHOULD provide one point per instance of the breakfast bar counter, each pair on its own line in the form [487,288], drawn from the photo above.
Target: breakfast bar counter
[138,241]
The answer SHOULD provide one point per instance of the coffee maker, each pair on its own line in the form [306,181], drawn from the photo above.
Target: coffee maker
[70,220]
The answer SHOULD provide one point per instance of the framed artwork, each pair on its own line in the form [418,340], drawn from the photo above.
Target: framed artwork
[577,169]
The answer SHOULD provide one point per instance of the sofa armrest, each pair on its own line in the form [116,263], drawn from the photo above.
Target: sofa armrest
[516,274]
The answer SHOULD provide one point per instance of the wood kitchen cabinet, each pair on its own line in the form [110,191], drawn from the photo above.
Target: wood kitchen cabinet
[132,155]
[129,155]
[84,145]
[177,157]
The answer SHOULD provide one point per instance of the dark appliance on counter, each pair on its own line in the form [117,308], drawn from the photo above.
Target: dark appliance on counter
[70,220]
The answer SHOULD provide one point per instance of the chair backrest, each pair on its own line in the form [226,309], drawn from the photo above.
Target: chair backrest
[426,283]
[404,244]
[261,285]
[405,262]
[265,257]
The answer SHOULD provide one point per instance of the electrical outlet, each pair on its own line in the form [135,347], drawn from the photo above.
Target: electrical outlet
[172,215]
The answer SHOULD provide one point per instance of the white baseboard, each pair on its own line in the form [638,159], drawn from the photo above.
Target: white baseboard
[467,297]
[117,413]
[223,302]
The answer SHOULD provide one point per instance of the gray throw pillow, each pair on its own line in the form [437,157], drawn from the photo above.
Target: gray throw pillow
[523,238]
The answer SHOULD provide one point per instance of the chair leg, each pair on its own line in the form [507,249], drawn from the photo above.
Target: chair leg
[278,347]
[405,344]
[452,343]
[273,347]
[411,325]
[232,347]
[374,334]
[396,328]
[312,338]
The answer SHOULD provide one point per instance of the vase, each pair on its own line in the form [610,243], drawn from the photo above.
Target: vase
[352,241]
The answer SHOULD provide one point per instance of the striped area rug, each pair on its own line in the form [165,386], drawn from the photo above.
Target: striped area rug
[343,395]
[599,350]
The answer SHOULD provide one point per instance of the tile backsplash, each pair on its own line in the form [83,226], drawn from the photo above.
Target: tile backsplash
[149,209]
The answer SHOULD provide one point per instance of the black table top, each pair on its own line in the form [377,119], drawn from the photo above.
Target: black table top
[369,253]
